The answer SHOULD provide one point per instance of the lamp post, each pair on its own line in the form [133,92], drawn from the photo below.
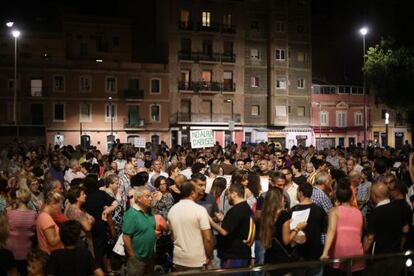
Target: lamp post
[387,121]
[15,33]
[231,122]
[363,31]
[112,115]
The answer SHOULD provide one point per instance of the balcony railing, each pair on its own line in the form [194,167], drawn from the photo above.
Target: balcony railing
[228,29]
[202,56]
[134,94]
[199,26]
[185,25]
[181,117]
[139,124]
[210,28]
[197,86]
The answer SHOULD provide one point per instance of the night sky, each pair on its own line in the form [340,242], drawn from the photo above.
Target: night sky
[336,42]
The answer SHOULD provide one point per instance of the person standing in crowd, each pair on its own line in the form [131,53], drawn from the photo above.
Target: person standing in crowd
[156,171]
[290,188]
[227,166]
[310,246]
[56,170]
[73,172]
[298,176]
[162,198]
[345,225]
[322,187]
[125,184]
[236,233]
[46,228]
[188,164]
[120,161]
[139,238]
[22,226]
[72,259]
[333,158]
[192,237]
[204,199]
[173,171]
[388,228]
[213,172]
[7,262]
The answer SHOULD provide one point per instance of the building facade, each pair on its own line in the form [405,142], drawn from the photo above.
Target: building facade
[338,115]
[81,86]
[241,68]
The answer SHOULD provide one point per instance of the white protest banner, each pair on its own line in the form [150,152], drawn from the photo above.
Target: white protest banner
[201,138]
[139,142]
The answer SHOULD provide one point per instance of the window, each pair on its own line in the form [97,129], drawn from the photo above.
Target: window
[301,83]
[281,83]
[254,54]
[228,81]
[208,47]
[85,84]
[206,19]
[300,29]
[59,83]
[133,84]
[155,86]
[83,49]
[155,112]
[110,84]
[341,119]
[359,121]
[280,54]
[110,109]
[301,111]
[301,56]
[254,82]
[85,112]
[280,26]
[133,115]
[206,76]
[289,109]
[184,16]
[255,111]
[58,112]
[36,88]
[281,111]
[155,139]
[254,25]
[228,47]
[323,118]
[227,20]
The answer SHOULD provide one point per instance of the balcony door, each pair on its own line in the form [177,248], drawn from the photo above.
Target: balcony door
[133,115]
[208,48]
[186,110]
[228,81]
[206,111]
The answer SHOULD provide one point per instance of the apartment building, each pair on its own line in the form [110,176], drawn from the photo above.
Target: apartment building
[80,85]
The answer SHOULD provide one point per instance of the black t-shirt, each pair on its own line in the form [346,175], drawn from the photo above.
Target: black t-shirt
[316,225]
[386,223]
[276,254]
[94,205]
[7,261]
[77,261]
[237,223]
[299,179]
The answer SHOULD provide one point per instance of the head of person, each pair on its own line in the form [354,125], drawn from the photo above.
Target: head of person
[219,185]
[240,164]
[254,184]
[380,166]
[23,196]
[129,170]
[236,193]
[53,201]
[296,167]
[263,166]
[343,191]
[74,165]
[180,179]
[91,183]
[76,195]
[277,180]
[188,190]
[112,182]
[379,192]
[350,164]
[287,172]
[36,262]
[114,167]
[274,203]
[33,184]
[161,184]
[323,180]
[304,191]
[55,162]
[199,180]
[399,190]
[189,161]
[390,181]
[198,168]
[140,179]
[215,169]
[53,185]
[174,170]
[309,167]
[156,166]
[69,232]
[142,197]
[333,152]
[366,174]
[119,155]
[354,178]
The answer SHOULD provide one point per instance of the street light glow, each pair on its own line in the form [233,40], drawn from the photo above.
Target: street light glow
[228,100]
[16,33]
[109,98]
[363,31]
[10,24]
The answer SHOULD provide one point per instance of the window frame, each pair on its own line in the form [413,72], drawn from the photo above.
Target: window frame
[258,109]
[116,84]
[338,113]
[54,83]
[89,78]
[280,54]
[159,111]
[356,115]
[301,83]
[54,112]
[85,120]
[159,86]
[115,117]
[279,80]
[255,82]
[326,115]
[206,18]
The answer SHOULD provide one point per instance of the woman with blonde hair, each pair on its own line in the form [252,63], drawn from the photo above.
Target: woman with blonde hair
[22,225]
[47,230]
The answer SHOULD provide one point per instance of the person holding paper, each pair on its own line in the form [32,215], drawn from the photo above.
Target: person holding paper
[309,244]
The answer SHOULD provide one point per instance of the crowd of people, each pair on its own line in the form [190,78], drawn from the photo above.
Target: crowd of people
[74,211]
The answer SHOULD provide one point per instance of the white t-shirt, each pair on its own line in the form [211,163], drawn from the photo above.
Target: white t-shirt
[151,174]
[187,219]
[187,173]
[292,191]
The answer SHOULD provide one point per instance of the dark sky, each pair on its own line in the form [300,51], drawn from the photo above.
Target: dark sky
[336,42]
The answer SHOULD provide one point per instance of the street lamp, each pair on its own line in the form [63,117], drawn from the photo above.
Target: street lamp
[363,31]
[387,121]
[15,34]
[10,24]
[232,104]
[112,115]
[231,122]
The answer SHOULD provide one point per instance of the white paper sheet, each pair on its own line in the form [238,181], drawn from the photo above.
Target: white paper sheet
[298,217]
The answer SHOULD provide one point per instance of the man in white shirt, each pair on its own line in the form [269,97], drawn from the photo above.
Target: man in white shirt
[333,158]
[156,171]
[73,172]
[291,188]
[188,164]
[192,237]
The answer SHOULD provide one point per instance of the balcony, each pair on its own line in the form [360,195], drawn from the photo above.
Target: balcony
[228,58]
[184,55]
[204,56]
[214,86]
[185,25]
[219,118]
[139,124]
[134,94]
[36,92]
[211,28]
[228,29]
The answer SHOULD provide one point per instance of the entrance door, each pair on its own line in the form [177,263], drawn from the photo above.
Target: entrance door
[399,140]
[37,114]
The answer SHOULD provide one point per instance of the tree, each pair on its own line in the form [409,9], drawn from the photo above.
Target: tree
[389,72]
